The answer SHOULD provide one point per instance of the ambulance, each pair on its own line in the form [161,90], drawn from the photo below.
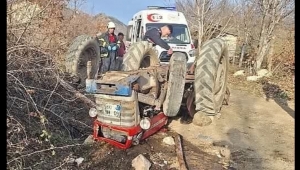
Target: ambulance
[156,17]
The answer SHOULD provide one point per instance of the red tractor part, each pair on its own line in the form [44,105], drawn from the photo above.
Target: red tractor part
[133,134]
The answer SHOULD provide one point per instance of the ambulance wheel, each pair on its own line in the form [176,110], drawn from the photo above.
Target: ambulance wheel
[83,49]
[176,82]
[139,55]
[211,70]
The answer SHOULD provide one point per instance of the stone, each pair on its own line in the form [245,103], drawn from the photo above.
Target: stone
[169,140]
[141,163]
[79,160]
[89,140]
[253,78]
[262,72]
[239,73]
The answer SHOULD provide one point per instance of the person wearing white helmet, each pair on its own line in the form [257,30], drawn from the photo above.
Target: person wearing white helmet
[112,26]
[108,48]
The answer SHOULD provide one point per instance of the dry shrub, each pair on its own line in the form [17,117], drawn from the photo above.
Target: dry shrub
[41,113]
[43,118]
[283,59]
[283,63]
[53,26]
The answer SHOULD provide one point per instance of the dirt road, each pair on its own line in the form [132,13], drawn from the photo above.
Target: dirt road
[259,133]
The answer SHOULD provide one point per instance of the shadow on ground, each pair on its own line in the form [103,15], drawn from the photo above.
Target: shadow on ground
[240,156]
[274,92]
[197,159]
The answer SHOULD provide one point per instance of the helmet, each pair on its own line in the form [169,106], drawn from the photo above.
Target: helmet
[111,25]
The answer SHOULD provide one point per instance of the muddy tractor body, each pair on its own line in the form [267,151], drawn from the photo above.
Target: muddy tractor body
[130,105]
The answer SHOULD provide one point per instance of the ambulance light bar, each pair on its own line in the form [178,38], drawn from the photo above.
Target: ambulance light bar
[161,7]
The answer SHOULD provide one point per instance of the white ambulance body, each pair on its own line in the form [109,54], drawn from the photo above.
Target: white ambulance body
[156,17]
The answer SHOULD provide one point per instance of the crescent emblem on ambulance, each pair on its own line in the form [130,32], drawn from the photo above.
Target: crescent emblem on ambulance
[154,17]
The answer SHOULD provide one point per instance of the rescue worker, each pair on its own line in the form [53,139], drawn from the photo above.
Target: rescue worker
[154,36]
[121,50]
[108,49]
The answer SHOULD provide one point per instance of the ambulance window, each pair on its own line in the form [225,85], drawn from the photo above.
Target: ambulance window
[180,33]
[129,33]
[138,28]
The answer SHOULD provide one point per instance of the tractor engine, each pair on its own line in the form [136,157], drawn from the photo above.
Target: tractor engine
[117,111]
[127,107]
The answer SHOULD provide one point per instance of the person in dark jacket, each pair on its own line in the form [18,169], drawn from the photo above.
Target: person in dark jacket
[154,36]
[108,49]
[121,50]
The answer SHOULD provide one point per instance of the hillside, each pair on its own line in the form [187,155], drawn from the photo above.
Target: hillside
[120,26]
[100,18]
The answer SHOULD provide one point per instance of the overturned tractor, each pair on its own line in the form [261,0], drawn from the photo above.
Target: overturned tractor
[134,103]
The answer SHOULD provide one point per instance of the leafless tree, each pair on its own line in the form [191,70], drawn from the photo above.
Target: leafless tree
[208,18]
[272,13]
[246,26]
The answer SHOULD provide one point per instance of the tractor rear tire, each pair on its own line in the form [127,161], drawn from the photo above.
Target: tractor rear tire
[176,82]
[211,70]
[83,49]
[140,55]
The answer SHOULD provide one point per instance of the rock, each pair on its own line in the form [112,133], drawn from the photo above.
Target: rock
[225,157]
[225,152]
[262,72]
[141,163]
[239,73]
[79,160]
[253,78]
[89,140]
[169,140]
